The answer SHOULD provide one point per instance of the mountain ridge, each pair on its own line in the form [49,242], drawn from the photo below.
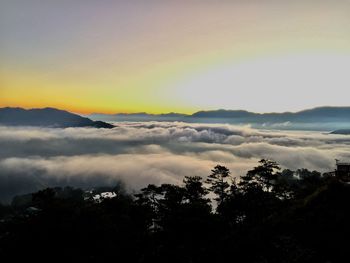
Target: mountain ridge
[325,113]
[46,117]
[53,117]
[315,109]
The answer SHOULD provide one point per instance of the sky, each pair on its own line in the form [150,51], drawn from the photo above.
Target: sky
[174,55]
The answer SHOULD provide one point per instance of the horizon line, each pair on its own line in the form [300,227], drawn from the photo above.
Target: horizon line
[170,112]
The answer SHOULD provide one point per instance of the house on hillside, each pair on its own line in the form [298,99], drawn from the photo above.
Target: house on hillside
[343,171]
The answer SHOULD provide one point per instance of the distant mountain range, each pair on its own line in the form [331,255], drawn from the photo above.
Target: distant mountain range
[322,118]
[140,116]
[47,117]
[342,132]
[321,114]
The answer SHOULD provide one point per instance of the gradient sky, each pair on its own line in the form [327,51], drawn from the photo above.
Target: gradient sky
[174,55]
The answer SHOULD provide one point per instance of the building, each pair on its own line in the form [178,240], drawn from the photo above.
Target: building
[343,170]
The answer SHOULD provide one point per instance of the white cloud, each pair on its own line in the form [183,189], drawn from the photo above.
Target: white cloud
[152,152]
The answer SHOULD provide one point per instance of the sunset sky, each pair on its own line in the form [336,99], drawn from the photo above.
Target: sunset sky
[174,55]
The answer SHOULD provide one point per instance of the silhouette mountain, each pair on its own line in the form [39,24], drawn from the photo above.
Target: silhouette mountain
[322,116]
[139,116]
[341,131]
[48,117]
[331,118]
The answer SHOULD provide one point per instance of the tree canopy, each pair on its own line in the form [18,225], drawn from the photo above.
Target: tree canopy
[266,215]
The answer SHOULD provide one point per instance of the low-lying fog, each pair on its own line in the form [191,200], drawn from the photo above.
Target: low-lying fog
[32,158]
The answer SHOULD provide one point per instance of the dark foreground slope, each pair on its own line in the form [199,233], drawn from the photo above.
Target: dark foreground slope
[297,219]
[47,117]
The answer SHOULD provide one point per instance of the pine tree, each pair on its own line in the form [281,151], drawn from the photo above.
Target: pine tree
[218,182]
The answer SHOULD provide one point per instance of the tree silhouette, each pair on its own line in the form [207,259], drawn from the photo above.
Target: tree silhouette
[267,216]
[218,182]
[263,176]
[194,190]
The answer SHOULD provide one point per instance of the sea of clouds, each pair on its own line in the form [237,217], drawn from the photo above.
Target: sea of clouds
[32,158]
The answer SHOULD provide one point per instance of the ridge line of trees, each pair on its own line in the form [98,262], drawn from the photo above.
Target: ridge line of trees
[267,215]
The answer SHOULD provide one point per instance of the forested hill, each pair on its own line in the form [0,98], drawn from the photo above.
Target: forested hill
[268,215]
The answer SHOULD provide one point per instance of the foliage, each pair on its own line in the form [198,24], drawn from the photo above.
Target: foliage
[218,182]
[267,215]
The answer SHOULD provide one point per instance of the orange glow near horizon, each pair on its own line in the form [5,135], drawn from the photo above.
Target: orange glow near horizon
[173,56]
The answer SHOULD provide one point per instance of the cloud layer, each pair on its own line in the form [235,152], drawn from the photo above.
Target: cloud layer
[151,152]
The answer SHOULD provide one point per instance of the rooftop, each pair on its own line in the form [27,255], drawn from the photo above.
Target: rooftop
[343,163]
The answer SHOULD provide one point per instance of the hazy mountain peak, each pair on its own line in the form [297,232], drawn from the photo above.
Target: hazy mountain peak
[48,117]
